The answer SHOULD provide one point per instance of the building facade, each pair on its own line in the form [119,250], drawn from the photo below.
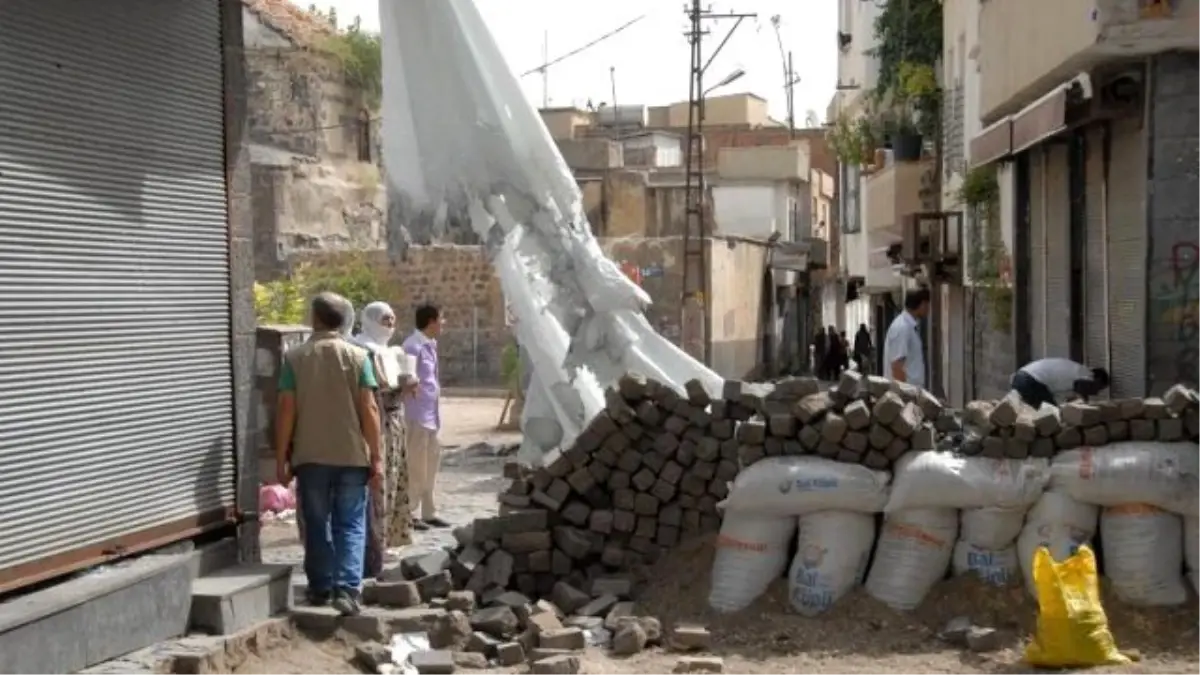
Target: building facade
[1091,116]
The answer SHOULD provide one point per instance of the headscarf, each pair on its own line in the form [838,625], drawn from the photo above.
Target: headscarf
[347,326]
[373,334]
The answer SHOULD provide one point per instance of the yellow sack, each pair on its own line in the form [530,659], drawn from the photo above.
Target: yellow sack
[1072,629]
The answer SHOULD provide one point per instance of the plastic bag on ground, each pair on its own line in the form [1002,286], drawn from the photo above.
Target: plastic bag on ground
[831,558]
[1059,523]
[931,479]
[793,486]
[991,528]
[998,567]
[276,498]
[912,555]
[752,552]
[1072,628]
[1191,548]
[1143,554]
[1166,475]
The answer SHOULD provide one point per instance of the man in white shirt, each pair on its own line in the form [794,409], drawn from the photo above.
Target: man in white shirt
[903,352]
[1043,380]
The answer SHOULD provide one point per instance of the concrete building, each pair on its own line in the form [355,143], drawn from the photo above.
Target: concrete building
[317,185]
[125,243]
[1089,110]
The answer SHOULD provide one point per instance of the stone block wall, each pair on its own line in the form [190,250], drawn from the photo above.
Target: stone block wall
[991,357]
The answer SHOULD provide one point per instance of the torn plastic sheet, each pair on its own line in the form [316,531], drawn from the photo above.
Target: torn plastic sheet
[462,145]
[404,645]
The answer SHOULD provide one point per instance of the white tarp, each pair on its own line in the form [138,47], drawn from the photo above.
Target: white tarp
[461,143]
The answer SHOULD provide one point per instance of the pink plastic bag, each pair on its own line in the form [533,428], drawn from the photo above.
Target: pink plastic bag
[276,498]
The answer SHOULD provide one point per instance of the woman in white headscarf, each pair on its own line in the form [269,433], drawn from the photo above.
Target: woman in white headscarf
[390,521]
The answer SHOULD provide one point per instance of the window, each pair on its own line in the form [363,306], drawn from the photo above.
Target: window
[363,140]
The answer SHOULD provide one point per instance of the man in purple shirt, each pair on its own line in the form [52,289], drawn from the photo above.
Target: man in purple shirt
[424,418]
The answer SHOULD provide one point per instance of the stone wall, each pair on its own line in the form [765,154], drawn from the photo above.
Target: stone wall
[1173,291]
[990,351]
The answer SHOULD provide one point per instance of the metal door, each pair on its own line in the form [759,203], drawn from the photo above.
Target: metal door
[115,356]
[1096,350]
[1056,218]
[1127,258]
[1037,254]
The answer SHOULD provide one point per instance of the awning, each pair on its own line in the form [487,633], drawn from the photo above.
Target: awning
[796,255]
[992,143]
[1042,119]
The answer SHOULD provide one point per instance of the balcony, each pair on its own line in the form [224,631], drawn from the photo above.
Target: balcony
[764,163]
[896,191]
[1029,46]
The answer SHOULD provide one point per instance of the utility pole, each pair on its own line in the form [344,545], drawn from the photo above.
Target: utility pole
[612,80]
[695,232]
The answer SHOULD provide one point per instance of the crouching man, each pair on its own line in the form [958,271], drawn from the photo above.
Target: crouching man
[329,420]
[1042,381]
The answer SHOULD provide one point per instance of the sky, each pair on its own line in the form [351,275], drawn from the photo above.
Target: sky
[651,58]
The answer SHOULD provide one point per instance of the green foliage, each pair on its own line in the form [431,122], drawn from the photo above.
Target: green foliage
[353,276]
[980,196]
[853,141]
[510,366]
[909,36]
[361,59]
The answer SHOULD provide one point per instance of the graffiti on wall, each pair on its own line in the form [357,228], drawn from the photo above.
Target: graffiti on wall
[1177,304]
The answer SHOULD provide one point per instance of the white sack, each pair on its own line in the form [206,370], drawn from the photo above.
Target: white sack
[831,558]
[1191,548]
[1059,523]
[1132,472]
[793,486]
[991,528]
[1143,554]
[931,479]
[752,552]
[912,555]
[998,567]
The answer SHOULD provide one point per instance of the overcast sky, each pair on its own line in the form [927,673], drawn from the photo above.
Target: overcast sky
[651,57]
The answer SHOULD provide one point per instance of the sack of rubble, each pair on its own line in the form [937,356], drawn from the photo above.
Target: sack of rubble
[832,551]
[1143,554]
[1059,523]
[931,479]
[752,552]
[793,486]
[912,555]
[996,566]
[1142,472]
[991,527]
[1191,548]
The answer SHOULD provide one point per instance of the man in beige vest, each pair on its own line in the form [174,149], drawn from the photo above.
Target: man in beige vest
[327,433]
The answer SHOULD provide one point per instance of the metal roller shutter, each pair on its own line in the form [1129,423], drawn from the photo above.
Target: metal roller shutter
[1058,251]
[1127,259]
[1096,285]
[1037,255]
[115,365]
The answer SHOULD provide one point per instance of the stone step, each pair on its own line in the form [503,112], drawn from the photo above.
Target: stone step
[231,599]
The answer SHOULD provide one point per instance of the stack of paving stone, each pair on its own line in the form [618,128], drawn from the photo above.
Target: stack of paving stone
[651,468]
[1009,428]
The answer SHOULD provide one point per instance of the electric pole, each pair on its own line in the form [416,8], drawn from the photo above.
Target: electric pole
[695,232]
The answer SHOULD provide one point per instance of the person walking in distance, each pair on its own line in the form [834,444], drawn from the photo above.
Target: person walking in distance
[903,351]
[863,348]
[327,433]
[424,418]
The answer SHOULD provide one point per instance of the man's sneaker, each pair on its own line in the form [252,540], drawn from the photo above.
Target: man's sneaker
[420,525]
[436,522]
[346,603]
[317,598]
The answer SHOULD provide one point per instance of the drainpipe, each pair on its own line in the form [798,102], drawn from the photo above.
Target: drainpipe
[1045,163]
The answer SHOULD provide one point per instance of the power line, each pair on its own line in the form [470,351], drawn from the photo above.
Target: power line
[575,51]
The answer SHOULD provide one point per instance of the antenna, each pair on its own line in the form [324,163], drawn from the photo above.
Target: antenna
[545,70]
[547,62]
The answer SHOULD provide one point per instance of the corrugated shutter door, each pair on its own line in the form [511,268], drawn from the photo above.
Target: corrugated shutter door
[1058,252]
[115,358]
[1127,259]
[1037,256]
[1096,311]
